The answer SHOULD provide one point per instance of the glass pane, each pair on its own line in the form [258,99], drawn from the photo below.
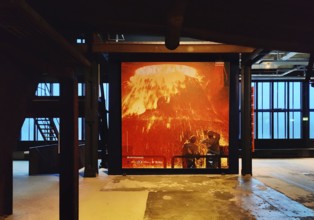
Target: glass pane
[311,97]
[311,125]
[280,125]
[57,123]
[80,127]
[38,134]
[263,95]
[240,120]
[264,131]
[27,131]
[240,96]
[280,95]
[80,88]
[39,90]
[55,89]
[106,90]
[295,95]
[295,125]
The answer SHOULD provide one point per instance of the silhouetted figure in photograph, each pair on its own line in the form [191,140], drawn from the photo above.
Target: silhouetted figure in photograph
[213,148]
[190,149]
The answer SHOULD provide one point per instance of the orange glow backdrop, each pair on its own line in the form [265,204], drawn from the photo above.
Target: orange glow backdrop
[163,103]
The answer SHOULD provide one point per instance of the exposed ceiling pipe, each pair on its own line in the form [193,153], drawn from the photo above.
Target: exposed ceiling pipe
[309,68]
[299,68]
[288,56]
[277,78]
[175,23]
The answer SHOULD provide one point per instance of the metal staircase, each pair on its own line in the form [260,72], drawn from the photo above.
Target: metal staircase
[47,128]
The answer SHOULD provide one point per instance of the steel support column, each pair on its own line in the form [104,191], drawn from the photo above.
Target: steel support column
[306,101]
[305,112]
[69,152]
[246,126]
[91,122]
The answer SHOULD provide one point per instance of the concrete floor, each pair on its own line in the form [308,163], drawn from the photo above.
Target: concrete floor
[279,189]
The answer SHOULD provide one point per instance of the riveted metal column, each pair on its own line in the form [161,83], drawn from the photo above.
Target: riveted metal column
[91,122]
[69,152]
[246,124]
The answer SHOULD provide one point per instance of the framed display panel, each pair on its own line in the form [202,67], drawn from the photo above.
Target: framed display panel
[175,117]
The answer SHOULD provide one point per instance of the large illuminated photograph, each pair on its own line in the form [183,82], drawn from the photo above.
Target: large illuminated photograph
[175,115]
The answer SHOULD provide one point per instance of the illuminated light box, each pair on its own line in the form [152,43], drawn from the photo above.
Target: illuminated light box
[165,103]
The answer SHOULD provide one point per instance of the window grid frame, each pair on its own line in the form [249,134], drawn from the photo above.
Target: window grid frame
[287,110]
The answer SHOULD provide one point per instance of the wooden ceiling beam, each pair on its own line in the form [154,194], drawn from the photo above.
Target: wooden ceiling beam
[159,47]
[23,59]
[25,26]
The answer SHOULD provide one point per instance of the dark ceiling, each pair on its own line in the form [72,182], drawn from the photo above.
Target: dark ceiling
[269,25]
[276,25]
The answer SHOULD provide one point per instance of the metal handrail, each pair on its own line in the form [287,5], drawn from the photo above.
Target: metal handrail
[197,156]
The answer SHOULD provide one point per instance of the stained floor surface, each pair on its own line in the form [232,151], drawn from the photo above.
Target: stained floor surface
[278,189]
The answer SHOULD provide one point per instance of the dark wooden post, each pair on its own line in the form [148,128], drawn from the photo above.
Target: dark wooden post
[69,158]
[17,87]
[234,118]
[91,122]
[246,125]
[115,121]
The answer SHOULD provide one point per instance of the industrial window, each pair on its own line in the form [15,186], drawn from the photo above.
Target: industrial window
[262,108]
[277,110]
[48,89]
[53,89]
[295,109]
[280,125]
[36,129]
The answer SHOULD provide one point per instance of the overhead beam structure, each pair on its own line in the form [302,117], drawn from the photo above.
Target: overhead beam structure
[23,29]
[159,47]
